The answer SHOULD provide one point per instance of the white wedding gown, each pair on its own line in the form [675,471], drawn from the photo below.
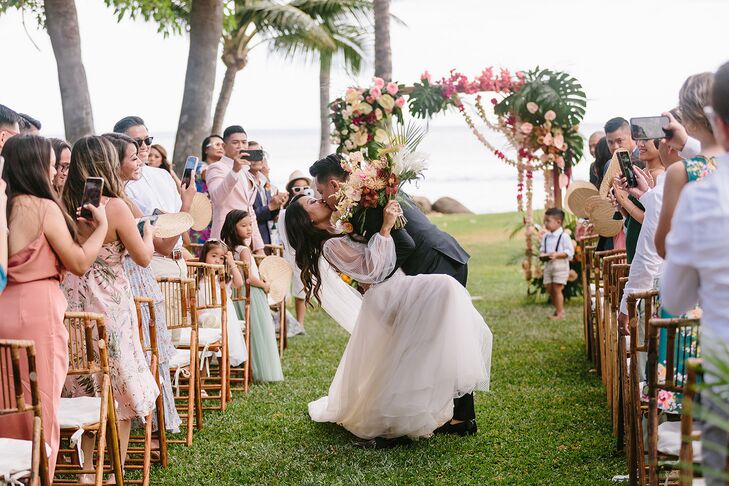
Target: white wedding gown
[418,343]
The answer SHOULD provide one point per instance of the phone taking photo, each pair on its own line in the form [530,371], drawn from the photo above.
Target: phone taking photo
[626,167]
[649,128]
[252,155]
[93,187]
[190,165]
[152,220]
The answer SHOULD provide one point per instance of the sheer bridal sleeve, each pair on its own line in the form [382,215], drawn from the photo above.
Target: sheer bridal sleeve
[369,263]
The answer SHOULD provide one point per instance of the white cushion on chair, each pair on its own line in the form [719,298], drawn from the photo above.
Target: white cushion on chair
[669,441]
[180,358]
[16,458]
[79,411]
[699,482]
[205,335]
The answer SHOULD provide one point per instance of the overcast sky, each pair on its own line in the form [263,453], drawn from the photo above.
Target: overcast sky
[631,57]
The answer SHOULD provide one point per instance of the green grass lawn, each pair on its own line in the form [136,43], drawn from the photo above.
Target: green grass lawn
[545,420]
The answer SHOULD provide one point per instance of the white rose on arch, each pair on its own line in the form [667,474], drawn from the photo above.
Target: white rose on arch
[387,102]
[359,138]
[381,136]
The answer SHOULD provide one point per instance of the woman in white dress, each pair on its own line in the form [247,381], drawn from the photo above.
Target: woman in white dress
[418,342]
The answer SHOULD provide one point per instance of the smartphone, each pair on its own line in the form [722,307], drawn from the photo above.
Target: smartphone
[649,128]
[93,188]
[626,167]
[152,220]
[190,165]
[253,155]
[2,165]
[157,212]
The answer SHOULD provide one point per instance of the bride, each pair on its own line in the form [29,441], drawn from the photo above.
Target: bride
[418,342]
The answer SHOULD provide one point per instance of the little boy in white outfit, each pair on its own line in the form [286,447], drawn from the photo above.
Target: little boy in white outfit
[556,251]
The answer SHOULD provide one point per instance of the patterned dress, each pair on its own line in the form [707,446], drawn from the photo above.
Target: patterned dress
[202,187]
[687,343]
[144,284]
[104,289]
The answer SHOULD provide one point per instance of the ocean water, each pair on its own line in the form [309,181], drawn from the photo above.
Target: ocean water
[459,167]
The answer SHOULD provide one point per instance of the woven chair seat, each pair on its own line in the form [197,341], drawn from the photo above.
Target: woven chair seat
[669,441]
[16,459]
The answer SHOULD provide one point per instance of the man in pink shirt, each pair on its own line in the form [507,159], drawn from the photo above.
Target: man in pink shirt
[230,184]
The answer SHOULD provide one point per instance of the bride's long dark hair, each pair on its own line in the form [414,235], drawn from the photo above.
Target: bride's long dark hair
[307,241]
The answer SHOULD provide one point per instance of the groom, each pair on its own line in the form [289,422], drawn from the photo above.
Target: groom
[434,252]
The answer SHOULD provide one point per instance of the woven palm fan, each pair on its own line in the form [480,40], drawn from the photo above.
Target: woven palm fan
[277,273]
[577,195]
[172,224]
[201,211]
[603,221]
[610,174]
[592,202]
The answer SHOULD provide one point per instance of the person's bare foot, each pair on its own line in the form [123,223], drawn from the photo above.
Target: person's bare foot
[87,479]
[557,317]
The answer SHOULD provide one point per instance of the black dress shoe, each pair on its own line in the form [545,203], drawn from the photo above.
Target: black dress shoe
[383,443]
[463,429]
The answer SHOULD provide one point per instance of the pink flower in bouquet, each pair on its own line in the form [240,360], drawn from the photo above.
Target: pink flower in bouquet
[550,115]
[370,99]
[425,76]
[532,107]
[526,128]
[379,82]
[400,102]
[558,140]
[375,92]
[520,75]
[547,141]
[392,88]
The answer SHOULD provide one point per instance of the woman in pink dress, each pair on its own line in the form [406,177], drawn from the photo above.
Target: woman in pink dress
[105,289]
[42,245]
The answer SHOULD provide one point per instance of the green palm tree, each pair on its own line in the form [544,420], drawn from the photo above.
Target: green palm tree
[251,23]
[349,25]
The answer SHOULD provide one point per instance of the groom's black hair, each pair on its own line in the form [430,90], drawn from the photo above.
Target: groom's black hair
[328,167]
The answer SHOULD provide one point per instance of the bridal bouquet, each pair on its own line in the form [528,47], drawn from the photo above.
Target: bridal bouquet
[374,182]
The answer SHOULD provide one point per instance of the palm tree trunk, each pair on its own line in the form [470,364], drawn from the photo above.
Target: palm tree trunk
[206,29]
[62,26]
[383,53]
[325,72]
[226,90]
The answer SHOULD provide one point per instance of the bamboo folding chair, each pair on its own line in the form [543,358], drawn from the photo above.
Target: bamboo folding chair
[29,457]
[596,266]
[688,437]
[608,323]
[277,250]
[195,249]
[79,416]
[139,453]
[664,440]
[636,408]
[589,292]
[617,278]
[584,243]
[240,377]
[212,295]
[179,298]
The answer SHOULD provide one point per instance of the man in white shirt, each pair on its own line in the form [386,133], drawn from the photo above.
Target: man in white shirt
[231,185]
[697,269]
[156,189]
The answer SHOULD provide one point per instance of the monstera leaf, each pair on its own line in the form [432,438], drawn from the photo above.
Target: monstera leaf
[427,100]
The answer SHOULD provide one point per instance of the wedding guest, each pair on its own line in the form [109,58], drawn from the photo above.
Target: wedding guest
[42,244]
[213,149]
[231,185]
[144,284]
[602,157]
[104,288]
[156,189]
[617,135]
[696,269]
[158,158]
[28,125]
[265,360]
[215,252]
[62,151]
[266,205]
[9,124]
[557,250]
[694,96]
[593,140]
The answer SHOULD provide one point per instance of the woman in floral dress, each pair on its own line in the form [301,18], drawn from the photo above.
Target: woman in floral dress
[104,289]
[212,151]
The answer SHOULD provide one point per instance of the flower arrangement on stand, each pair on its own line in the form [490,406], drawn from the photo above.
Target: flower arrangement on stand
[362,116]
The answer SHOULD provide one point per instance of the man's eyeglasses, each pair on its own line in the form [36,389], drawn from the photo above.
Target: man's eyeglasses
[147,141]
[63,168]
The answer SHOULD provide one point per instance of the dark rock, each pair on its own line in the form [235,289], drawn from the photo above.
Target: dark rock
[448,205]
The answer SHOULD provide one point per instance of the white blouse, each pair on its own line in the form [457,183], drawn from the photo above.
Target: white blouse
[369,263]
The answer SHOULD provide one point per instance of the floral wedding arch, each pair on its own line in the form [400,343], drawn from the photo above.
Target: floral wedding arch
[538,112]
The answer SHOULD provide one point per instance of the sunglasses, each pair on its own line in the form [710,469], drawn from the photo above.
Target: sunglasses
[147,141]
[297,190]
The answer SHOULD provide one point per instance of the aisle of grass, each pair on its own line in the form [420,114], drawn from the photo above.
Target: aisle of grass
[544,422]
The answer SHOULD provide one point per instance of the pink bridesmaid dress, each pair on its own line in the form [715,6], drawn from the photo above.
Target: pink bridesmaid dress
[32,307]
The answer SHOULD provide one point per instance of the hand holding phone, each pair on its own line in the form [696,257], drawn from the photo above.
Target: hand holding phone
[252,155]
[142,224]
[190,166]
[93,188]
[650,128]
[626,167]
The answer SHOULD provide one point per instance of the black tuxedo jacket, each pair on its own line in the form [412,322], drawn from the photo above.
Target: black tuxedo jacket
[421,247]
